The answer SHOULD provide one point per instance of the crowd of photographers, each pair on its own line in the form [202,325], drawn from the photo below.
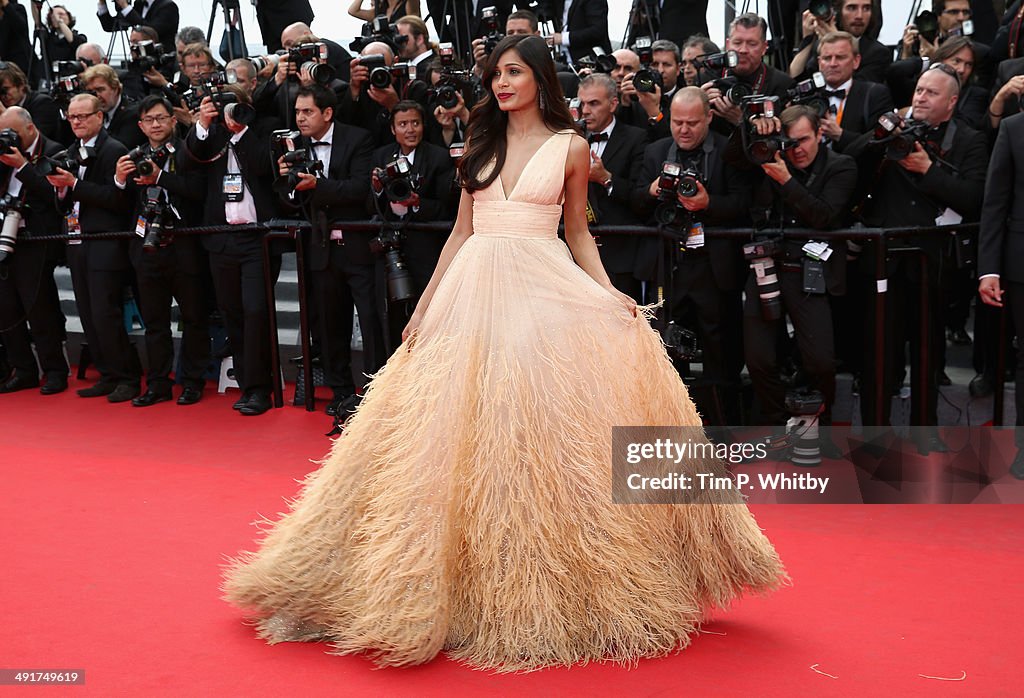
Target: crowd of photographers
[685,135]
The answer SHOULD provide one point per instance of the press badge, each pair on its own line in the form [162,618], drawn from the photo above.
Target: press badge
[695,238]
[814,276]
[140,227]
[233,187]
[337,235]
[74,227]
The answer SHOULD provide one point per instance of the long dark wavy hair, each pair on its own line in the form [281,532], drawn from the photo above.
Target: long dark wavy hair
[486,134]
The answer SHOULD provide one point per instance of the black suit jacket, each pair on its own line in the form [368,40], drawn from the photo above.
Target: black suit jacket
[254,162]
[729,198]
[587,26]
[14,43]
[274,15]
[623,157]
[462,24]
[681,19]
[1008,69]
[162,16]
[124,124]
[875,59]
[103,207]
[341,196]
[865,102]
[45,115]
[42,216]
[1001,240]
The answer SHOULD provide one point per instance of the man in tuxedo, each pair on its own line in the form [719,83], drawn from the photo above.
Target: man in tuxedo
[749,39]
[706,272]
[580,26]
[432,199]
[274,15]
[162,15]
[14,43]
[940,183]
[239,191]
[616,155]
[120,116]
[854,104]
[365,105]
[1001,249]
[342,265]
[460,21]
[27,288]
[15,92]
[99,268]
[810,188]
[854,18]
[166,267]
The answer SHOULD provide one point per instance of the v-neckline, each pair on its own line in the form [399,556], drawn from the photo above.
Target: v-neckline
[501,181]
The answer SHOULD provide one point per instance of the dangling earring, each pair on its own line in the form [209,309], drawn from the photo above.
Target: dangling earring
[540,99]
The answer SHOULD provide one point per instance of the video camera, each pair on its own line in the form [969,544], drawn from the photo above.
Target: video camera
[379,29]
[645,79]
[145,55]
[761,253]
[12,210]
[300,160]
[398,180]
[674,182]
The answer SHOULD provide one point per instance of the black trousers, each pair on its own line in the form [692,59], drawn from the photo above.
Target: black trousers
[694,289]
[29,293]
[242,299]
[628,284]
[99,295]
[1015,297]
[337,289]
[160,279]
[811,316]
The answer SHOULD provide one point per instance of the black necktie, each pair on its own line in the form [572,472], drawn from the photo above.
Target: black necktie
[838,94]
[597,137]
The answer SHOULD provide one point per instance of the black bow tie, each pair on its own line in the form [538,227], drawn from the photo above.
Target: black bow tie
[317,144]
[838,94]
[597,137]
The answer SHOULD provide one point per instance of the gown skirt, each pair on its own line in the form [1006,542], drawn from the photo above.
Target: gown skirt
[467,506]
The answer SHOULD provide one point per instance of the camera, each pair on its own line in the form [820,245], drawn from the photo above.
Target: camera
[599,62]
[726,60]
[674,182]
[261,63]
[899,145]
[451,80]
[810,92]
[68,160]
[63,68]
[490,24]
[804,406]
[12,210]
[681,343]
[146,55]
[821,9]
[379,29]
[645,79]
[760,253]
[147,160]
[383,77]
[159,226]
[734,90]
[226,101]
[380,74]
[300,160]
[761,149]
[312,57]
[9,139]
[456,151]
[401,286]
[927,24]
[398,180]
[64,88]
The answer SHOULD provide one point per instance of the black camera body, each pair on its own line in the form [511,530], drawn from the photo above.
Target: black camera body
[681,343]
[804,402]
[300,160]
[383,77]
[451,80]
[145,55]
[810,92]
[379,29]
[725,60]
[646,79]
[491,27]
[226,101]
[398,180]
[311,57]
[675,181]
[598,61]
[68,160]
[733,88]
[762,149]
[147,159]
[61,69]
[821,9]
[9,139]
[159,223]
[927,24]
[899,145]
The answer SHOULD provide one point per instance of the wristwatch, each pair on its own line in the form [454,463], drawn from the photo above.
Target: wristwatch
[652,120]
[607,184]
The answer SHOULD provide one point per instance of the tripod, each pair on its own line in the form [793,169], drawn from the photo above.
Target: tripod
[459,12]
[642,12]
[227,7]
[39,36]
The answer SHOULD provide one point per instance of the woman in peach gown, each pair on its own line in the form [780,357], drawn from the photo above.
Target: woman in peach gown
[467,507]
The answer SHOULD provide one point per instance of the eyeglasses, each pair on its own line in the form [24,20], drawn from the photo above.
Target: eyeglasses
[159,119]
[943,68]
[962,12]
[82,117]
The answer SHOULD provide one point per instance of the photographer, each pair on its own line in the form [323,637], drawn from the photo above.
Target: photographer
[810,187]
[166,268]
[854,104]
[626,62]
[616,156]
[239,192]
[853,17]
[149,67]
[695,47]
[960,54]
[15,92]
[300,33]
[341,263]
[99,268]
[119,115]
[364,104]
[1000,250]
[27,288]
[649,91]
[303,63]
[60,38]
[926,172]
[706,275]
[15,46]
[430,187]
[748,39]
[162,15]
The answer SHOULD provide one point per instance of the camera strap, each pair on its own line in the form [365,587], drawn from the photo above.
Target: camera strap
[233,186]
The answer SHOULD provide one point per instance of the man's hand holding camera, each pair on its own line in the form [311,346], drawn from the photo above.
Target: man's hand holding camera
[358,74]
[722,105]
[62,178]
[306,181]
[13,158]
[917,162]
[125,168]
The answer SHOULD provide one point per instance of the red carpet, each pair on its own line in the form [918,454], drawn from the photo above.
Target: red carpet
[115,521]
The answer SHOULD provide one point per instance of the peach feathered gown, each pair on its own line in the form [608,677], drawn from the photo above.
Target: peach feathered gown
[467,506]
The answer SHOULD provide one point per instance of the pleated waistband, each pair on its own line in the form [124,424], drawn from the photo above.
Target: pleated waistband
[516,219]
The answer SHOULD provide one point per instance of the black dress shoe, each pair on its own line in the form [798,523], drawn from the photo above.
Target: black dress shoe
[343,406]
[150,397]
[190,395]
[1017,467]
[123,392]
[54,384]
[258,404]
[980,386]
[19,381]
[98,390]
[958,337]
[242,401]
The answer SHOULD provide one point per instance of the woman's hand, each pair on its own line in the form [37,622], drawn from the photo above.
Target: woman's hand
[412,329]
[624,299]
